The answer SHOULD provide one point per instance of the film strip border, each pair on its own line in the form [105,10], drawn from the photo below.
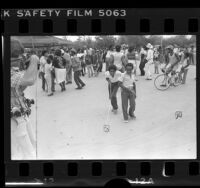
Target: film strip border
[136,21]
[103,173]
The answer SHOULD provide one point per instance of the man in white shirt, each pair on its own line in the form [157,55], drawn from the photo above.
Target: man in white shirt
[149,59]
[112,76]
[128,91]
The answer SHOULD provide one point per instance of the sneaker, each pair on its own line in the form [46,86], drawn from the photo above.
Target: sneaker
[83,85]
[132,116]
[79,88]
[125,121]
[50,94]
[114,111]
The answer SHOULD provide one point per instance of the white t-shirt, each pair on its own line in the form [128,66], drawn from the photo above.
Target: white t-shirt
[149,57]
[108,54]
[118,59]
[127,80]
[115,78]
[43,61]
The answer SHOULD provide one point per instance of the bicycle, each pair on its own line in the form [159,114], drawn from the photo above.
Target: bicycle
[164,81]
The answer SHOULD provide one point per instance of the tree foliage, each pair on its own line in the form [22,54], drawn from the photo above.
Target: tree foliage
[102,41]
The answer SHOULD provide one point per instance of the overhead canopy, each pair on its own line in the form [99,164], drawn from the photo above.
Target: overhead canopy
[40,41]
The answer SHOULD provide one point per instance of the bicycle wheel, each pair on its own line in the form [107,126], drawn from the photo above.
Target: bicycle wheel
[177,79]
[162,82]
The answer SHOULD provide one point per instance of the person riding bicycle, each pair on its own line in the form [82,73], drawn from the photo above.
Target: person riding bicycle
[172,62]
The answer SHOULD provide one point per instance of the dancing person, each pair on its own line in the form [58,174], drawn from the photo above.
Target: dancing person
[53,76]
[143,60]
[66,56]
[80,55]
[43,61]
[59,64]
[112,76]
[76,65]
[48,74]
[83,65]
[88,62]
[149,59]
[95,62]
[128,92]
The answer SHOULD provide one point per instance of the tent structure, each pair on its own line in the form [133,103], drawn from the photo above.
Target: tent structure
[40,41]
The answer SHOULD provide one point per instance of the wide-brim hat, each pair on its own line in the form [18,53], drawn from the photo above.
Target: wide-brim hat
[149,45]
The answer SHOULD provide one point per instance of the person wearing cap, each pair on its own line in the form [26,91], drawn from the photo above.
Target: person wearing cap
[76,65]
[149,59]
[128,92]
[59,65]
[23,141]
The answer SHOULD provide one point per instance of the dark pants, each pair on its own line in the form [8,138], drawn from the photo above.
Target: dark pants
[142,65]
[52,82]
[100,67]
[43,80]
[127,97]
[112,89]
[107,64]
[83,71]
[62,85]
[191,58]
[77,79]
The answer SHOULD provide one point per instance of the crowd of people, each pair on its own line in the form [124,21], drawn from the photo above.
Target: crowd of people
[58,65]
